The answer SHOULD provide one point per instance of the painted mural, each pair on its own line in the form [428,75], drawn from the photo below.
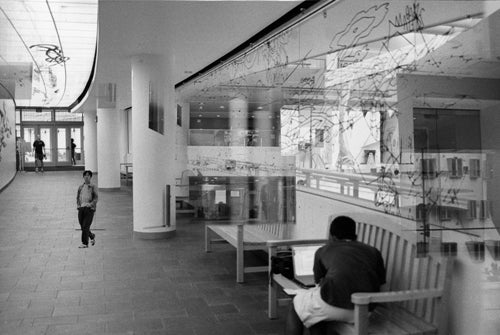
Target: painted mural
[7,143]
[5,128]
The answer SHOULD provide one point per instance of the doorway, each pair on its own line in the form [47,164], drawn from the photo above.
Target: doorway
[57,139]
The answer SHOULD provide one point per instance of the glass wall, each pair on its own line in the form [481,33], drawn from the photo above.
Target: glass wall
[390,104]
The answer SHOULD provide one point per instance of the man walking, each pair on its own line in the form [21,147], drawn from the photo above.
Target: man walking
[86,200]
[39,149]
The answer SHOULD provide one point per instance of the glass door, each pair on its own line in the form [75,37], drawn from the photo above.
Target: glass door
[69,146]
[63,147]
[45,136]
[76,136]
[29,137]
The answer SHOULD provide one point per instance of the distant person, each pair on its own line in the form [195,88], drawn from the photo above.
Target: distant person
[39,150]
[341,267]
[73,147]
[86,200]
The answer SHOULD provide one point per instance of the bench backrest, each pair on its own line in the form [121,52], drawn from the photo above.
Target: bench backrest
[407,272]
[277,229]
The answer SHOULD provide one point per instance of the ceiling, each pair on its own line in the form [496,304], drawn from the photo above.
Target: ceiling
[47,46]
[47,50]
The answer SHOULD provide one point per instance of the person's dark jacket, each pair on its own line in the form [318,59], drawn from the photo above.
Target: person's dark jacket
[343,267]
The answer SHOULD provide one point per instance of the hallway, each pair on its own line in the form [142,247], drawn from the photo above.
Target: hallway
[120,285]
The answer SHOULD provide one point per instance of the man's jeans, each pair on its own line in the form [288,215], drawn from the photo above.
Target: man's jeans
[85,216]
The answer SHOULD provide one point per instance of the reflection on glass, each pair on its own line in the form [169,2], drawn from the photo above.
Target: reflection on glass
[45,136]
[29,138]
[62,152]
[388,115]
[77,138]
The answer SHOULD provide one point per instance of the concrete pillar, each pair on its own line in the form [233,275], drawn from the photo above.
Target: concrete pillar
[238,116]
[153,150]
[90,140]
[108,153]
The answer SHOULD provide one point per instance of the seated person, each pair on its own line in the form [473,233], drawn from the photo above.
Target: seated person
[341,267]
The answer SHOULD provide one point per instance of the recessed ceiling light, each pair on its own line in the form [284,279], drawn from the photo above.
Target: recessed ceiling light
[221,107]
[260,107]
[218,115]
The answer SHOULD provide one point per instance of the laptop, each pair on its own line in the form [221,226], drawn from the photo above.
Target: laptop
[303,262]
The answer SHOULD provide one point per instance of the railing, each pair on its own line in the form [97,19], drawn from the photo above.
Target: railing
[375,189]
[228,137]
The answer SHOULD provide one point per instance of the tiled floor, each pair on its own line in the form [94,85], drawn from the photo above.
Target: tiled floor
[121,285]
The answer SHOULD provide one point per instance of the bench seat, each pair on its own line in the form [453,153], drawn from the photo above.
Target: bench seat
[244,235]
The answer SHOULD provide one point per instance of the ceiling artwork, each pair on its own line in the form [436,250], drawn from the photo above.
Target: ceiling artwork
[47,50]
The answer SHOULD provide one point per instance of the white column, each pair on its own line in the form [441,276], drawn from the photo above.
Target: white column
[153,152]
[108,151]
[238,113]
[90,140]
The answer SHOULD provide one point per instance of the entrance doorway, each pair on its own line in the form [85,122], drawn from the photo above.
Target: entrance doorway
[57,141]
[56,128]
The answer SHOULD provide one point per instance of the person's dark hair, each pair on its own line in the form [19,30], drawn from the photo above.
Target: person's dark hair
[343,227]
[87,172]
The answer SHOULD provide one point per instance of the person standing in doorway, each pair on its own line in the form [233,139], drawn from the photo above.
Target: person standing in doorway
[39,150]
[73,147]
[86,200]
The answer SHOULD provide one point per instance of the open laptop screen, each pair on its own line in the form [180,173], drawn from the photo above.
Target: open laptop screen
[303,259]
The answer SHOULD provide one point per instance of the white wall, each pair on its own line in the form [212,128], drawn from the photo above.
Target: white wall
[7,142]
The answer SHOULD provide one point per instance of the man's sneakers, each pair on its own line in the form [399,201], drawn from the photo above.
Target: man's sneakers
[92,242]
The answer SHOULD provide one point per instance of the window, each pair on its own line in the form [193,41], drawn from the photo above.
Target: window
[444,213]
[472,209]
[484,209]
[37,115]
[65,115]
[179,115]
[428,168]
[455,167]
[155,110]
[443,129]
[421,212]
[475,168]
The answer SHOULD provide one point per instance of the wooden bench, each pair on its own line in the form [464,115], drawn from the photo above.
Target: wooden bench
[414,299]
[243,235]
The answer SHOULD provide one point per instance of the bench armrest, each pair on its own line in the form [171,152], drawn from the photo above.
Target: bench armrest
[369,297]
[282,243]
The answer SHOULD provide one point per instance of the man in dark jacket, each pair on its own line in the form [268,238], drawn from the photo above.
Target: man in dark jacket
[341,267]
[39,150]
